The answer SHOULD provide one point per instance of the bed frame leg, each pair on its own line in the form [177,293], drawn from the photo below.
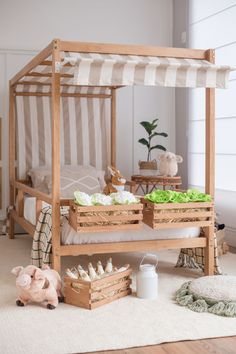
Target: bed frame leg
[56,262]
[209,251]
[11,232]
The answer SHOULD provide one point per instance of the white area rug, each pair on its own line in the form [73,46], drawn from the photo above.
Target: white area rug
[128,322]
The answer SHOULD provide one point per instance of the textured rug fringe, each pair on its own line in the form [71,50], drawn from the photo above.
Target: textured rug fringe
[221,308]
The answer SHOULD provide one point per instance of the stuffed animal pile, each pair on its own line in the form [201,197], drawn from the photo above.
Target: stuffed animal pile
[95,274]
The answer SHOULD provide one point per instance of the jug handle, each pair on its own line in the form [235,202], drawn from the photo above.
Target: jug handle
[149,255]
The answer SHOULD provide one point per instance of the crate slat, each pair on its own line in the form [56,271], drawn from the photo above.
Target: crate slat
[112,277]
[196,214]
[124,284]
[101,218]
[107,207]
[124,293]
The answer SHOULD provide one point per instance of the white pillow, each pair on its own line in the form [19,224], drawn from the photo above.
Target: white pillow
[86,179]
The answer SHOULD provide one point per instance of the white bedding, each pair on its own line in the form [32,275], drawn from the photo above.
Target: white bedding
[69,236]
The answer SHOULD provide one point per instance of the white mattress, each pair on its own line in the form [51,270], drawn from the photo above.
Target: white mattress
[70,237]
[30,209]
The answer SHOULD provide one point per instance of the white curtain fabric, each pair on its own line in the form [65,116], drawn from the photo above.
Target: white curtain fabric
[85,133]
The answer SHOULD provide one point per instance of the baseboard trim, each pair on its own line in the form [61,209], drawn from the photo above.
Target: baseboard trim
[230,236]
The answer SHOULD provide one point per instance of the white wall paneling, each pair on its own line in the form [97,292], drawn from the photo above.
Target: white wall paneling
[225,176]
[201,9]
[214,31]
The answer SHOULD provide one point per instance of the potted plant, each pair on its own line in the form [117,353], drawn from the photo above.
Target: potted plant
[149,167]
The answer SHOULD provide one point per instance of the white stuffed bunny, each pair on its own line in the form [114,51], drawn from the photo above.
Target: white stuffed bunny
[168,164]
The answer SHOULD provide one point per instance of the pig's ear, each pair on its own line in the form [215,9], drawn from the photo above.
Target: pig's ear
[179,158]
[16,270]
[38,274]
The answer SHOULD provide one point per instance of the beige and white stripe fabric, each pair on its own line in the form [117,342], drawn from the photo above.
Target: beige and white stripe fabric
[118,70]
[85,138]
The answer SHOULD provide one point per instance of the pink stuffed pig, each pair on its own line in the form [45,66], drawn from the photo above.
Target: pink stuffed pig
[38,285]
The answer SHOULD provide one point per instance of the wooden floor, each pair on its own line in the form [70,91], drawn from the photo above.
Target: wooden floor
[226,345]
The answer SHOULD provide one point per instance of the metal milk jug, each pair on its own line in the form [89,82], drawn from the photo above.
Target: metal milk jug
[147,279]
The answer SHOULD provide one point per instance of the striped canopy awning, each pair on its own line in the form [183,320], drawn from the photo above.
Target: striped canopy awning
[113,70]
[118,70]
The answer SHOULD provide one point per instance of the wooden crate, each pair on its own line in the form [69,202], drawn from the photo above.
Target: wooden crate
[178,215]
[91,295]
[105,218]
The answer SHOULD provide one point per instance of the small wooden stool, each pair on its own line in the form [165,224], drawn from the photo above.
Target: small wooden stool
[148,183]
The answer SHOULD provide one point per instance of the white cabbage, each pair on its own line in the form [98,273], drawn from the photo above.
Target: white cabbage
[82,198]
[101,199]
[123,197]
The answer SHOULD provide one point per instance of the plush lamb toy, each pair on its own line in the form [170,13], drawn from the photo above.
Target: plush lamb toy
[38,285]
[168,164]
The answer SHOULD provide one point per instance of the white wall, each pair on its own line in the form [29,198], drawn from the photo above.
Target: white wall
[180,15]
[27,26]
[212,25]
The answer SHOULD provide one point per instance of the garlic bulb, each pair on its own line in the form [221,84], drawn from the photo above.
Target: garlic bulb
[85,277]
[83,274]
[109,267]
[92,273]
[100,269]
[71,274]
[122,269]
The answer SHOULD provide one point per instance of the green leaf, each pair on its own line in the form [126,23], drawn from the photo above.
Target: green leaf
[147,126]
[159,134]
[144,142]
[160,147]
[155,120]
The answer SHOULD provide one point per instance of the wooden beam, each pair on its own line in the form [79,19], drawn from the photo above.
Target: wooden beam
[210,134]
[46,52]
[113,128]
[35,83]
[132,246]
[121,49]
[41,94]
[38,74]
[32,191]
[210,165]
[55,107]
[12,149]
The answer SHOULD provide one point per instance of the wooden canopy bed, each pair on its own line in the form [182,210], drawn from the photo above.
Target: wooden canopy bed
[51,82]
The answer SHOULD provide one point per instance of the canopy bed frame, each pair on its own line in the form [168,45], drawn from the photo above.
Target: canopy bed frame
[51,58]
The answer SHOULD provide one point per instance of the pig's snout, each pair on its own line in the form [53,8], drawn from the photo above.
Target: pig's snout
[23,281]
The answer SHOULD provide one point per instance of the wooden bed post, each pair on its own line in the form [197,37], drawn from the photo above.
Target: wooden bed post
[55,105]
[113,127]
[12,136]
[210,165]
